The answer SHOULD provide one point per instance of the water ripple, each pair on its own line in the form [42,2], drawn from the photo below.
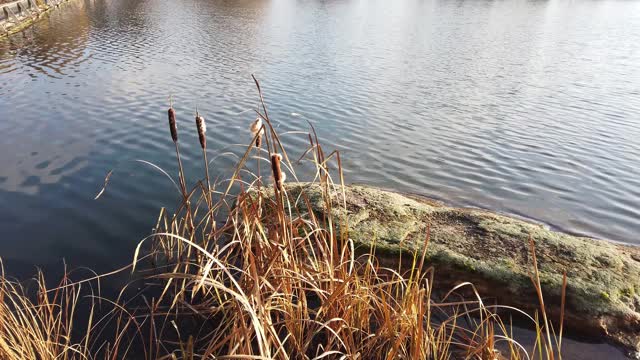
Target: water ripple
[531,108]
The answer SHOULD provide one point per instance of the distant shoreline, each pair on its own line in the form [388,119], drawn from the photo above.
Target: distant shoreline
[19,15]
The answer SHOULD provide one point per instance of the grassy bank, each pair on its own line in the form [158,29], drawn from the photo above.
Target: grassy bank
[242,269]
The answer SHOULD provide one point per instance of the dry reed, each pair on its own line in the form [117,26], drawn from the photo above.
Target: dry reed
[275,281]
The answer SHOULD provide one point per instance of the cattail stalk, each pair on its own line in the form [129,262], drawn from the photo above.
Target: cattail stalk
[173,128]
[202,135]
[257,130]
[278,175]
[172,124]
[202,129]
[183,185]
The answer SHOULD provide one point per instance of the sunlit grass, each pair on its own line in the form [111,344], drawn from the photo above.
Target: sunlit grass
[245,269]
[39,325]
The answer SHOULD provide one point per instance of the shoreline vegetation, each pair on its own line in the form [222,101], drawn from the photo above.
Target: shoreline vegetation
[251,268]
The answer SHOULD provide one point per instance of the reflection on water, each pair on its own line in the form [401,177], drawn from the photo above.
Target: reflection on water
[531,108]
[36,150]
[524,107]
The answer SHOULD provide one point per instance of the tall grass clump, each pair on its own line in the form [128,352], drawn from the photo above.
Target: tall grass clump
[244,268]
[276,280]
[39,323]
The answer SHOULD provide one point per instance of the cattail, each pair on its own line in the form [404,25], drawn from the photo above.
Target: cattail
[256,126]
[172,124]
[257,129]
[202,129]
[278,175]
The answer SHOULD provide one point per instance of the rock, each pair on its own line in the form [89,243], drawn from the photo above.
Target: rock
[492,252]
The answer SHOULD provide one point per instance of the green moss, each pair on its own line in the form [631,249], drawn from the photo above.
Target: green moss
[469,266]
[488,249]
[627,292]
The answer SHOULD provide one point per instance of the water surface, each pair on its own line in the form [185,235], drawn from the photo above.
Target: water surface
[525,107]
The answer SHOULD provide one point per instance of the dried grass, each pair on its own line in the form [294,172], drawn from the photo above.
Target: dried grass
[256,274]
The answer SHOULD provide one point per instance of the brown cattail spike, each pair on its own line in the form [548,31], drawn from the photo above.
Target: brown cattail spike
[172,124]
[202,129]
[257,129]
[278,177]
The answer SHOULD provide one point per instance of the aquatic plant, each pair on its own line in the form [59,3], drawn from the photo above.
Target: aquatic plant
[38,329]
[243,270]
[257,130]
[283,282]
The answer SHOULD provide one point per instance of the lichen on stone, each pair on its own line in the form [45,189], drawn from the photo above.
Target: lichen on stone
[493,249]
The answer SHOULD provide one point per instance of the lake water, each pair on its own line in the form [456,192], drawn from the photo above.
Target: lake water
[524,107]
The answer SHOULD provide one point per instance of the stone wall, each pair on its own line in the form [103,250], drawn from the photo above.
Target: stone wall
[17,15]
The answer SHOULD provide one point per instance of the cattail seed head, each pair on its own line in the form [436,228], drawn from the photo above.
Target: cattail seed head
[278,175]
[202,129]
[257,130]
[256,126]
[172,124]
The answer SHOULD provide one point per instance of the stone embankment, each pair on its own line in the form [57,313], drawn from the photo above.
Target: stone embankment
[18,15]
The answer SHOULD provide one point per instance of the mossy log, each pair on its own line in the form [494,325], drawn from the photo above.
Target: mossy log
[493,252]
